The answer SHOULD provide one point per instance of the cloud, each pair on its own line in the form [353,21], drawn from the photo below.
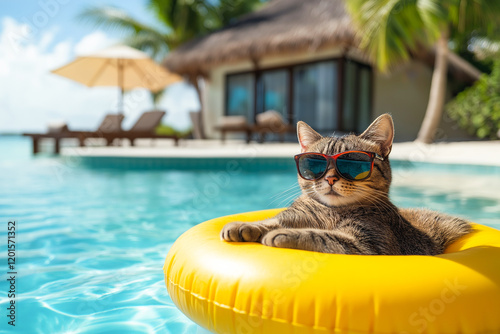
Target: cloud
[93,42]
[31,97]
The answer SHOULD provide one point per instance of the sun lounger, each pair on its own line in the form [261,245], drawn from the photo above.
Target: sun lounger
[110,123]
[236,124]
[109,130]
[268,122]
[271,122]
[145,127]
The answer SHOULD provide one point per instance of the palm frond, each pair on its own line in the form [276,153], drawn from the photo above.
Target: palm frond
[155,45]
[186,18]
[467,15]
[115,19]
[226,11]
[391,29]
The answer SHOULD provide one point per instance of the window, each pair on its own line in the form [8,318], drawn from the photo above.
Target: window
[240,95]
[330,95]
[316,94]
[273,92]
[356,111]
[365,98]
[350,96]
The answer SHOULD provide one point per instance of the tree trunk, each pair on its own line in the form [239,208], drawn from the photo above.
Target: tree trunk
[437,94]
[201,124]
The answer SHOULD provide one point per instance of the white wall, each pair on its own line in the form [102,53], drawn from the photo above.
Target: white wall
[403,93]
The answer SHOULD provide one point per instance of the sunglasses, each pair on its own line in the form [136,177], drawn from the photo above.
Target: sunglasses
[350,165]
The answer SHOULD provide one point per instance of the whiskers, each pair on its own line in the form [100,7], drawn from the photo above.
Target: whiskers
[285,196]
[350,194]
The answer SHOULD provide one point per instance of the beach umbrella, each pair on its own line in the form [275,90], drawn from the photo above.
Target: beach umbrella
[120,66]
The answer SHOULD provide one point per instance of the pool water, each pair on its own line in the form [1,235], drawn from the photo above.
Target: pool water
[90,243]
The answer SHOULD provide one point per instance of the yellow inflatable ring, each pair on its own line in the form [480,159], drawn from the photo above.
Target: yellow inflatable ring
[250,288]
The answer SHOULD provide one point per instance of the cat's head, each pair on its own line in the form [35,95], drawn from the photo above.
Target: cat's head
[333,190]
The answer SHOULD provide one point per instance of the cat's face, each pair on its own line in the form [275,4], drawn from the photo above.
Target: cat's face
[333,190]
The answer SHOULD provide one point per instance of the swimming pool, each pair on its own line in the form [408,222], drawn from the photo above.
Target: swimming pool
[91,242]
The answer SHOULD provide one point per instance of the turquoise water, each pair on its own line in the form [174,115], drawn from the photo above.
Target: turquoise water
[90,242]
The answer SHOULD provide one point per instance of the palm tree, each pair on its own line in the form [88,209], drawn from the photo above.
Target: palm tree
[177,21]
[393,30]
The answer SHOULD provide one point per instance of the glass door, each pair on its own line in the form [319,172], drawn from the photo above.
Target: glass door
[272,90]
[315,98]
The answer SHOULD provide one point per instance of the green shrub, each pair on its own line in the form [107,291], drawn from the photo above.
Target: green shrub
[167,130]
[477,109]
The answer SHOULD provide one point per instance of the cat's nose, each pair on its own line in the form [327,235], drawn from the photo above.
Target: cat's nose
[331,179]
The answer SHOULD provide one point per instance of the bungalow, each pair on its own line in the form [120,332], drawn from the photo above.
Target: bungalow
[302,59]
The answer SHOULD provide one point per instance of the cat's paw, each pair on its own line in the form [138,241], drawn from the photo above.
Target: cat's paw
[282,238]
[238,231]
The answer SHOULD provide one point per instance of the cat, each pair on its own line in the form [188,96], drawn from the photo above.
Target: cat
[337,215]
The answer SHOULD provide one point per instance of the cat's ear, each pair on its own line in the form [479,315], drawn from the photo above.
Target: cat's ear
[381,131]
[307,136]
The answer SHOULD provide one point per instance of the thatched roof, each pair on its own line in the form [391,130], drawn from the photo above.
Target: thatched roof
[281,26]
[285,27]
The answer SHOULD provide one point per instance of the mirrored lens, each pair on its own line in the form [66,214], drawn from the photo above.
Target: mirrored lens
[354,166]
[312,166]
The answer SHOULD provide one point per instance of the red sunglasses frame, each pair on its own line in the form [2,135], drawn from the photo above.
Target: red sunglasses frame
[330,158]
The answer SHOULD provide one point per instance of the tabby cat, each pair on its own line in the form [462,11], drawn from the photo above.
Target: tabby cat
[345,207]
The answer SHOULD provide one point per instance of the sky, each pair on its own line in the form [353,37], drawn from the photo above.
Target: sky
[37,36]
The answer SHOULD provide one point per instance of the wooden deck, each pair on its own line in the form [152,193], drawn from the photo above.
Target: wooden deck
[83,135]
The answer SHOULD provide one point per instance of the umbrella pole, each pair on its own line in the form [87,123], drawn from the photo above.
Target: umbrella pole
[120,101]
[120,84]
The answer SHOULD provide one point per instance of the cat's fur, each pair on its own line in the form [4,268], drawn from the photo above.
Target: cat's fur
[334,215]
